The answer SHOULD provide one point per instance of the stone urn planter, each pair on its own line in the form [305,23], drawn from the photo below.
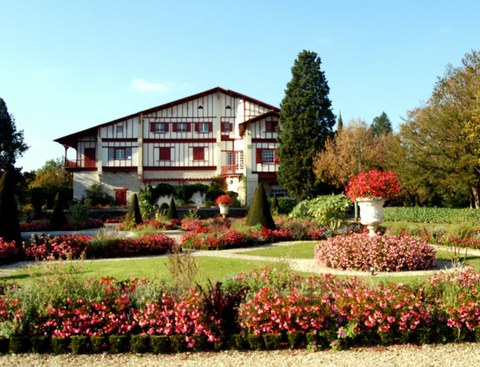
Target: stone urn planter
[223,210]
[371,213]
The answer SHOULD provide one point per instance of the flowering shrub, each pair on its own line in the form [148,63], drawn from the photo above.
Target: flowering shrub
[74,247]
[229,238]
[383,253]
[45,225]
[273,235]
[8,250]
[373,184]
[56,248]
[224,200]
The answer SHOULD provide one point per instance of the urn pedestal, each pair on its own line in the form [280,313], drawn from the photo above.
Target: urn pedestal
[223,210]
[371,213]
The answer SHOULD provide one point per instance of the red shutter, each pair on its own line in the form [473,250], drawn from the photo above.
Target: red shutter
[189,127]
[166,126]
[197,127]
[198,153]
[259,155]
[210,127]
[152,127]
[175,127]
[223,128]
[165,154]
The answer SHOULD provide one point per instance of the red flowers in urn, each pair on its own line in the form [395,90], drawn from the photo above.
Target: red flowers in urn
[373,183]
[224,200]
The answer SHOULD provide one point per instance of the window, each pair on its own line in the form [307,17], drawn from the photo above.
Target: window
[271,126]
[181,127]
[239,159]
[279,191]
[119,129]
[165,154]
[203,127]
[226,127]
[198,153]
[266,156]
[230,160]
[119,154]
[159,127]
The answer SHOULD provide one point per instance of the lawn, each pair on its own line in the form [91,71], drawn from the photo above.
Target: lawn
[303,250]
[209,268]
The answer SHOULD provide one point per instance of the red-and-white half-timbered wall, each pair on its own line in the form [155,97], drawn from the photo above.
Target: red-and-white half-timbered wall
[194,139]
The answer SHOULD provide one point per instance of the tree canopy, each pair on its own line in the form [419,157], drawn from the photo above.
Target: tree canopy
[306,122]
[381,125]
[12,145]
[439,141]
[352,150]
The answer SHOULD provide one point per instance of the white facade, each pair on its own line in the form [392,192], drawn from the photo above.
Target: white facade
[217,132]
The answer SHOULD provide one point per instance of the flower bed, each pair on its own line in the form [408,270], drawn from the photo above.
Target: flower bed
[383,253]
[45,225]
[262,309]
[8,251]
[75,247]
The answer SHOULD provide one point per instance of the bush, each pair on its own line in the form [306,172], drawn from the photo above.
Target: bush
[140,343]
[134,217]
[259,212]
[431,215]
[172,210]
[80,344]
[60,345]
[160,344]
[328,210]
[9,225]
[78,213]
[8,251]
[95,196]
[383,253]
[286,204]
[119,344]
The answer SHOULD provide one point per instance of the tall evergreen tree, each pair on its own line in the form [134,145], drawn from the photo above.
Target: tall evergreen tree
[339,122]
[306,121]
[11,140]
[381,125]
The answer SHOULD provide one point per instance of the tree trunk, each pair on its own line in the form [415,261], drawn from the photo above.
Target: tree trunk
[476,196]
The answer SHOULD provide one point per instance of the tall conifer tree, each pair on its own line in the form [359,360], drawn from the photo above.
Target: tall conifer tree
[306,121]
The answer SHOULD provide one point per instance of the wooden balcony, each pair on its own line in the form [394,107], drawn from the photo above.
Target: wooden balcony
[231,169]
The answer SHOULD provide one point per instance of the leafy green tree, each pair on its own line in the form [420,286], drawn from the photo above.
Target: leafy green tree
[438,141]
[381,125]
[306,121]
[9,226]
[259,212]
[12,145]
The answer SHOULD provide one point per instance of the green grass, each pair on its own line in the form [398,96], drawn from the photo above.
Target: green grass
[209,268]
[303,250]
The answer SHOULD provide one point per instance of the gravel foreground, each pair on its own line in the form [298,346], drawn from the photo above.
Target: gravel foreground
[452,355]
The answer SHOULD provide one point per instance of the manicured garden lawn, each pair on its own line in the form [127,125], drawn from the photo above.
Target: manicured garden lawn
[209,268]
[303,250]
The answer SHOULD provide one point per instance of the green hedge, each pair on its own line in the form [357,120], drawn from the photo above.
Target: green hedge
[431,215]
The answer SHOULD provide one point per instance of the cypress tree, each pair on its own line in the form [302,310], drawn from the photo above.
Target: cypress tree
[58,219]
[134,216]
[9,226]
[306,121]
[259,212]
[172,210]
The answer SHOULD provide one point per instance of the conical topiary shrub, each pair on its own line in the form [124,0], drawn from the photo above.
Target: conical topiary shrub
[172,210]
[9,226]
[134,217]
[58,220]
[259,212]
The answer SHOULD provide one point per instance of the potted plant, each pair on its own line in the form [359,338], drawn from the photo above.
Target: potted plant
[224,202]
[370,190]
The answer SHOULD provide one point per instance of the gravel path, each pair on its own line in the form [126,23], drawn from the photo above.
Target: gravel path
[452,355]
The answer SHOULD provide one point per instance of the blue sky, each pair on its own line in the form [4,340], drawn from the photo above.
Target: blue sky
[67,66]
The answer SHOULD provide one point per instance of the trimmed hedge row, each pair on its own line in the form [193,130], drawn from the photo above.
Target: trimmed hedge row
[163,344]
[431,215]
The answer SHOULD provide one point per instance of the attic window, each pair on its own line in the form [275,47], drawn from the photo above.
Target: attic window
[228,107]
[200,107]
[119,129]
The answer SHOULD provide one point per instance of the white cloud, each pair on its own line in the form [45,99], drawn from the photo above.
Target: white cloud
[142,85]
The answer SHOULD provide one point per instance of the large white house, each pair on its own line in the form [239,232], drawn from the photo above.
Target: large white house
[214,133]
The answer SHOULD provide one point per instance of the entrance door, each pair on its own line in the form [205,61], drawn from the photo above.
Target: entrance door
[121,197]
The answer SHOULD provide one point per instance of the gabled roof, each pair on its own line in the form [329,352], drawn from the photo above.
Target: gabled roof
[71,139]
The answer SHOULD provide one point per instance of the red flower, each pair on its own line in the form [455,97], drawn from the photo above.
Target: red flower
[373,184]
[224,200]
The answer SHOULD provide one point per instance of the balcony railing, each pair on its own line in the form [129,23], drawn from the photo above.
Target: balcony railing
[231,168]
